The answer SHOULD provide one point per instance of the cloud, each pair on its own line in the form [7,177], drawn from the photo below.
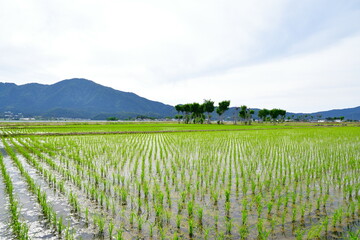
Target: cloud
[175,51]
[308,82]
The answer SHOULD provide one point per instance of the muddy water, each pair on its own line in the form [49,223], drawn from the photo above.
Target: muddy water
[5,231]
[29,209]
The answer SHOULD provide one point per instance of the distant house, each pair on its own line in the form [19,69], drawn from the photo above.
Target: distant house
[27,119]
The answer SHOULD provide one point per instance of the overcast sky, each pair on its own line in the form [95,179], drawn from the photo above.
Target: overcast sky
[302,56]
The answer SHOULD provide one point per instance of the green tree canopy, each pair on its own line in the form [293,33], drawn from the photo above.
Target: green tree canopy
[263,113]
[208,108]
[223,106]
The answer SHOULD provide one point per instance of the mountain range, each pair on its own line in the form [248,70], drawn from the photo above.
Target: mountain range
[77,98]
[82,98]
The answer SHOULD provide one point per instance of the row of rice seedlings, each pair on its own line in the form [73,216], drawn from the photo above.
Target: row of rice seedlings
[96,220]
[125,192]
[102,196]
[20,228]
[50,214]
[280,184]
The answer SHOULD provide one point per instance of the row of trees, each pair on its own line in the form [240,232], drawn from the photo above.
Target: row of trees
[195,112]
[272,115]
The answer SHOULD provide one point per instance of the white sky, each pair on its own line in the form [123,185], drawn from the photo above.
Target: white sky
[302,56]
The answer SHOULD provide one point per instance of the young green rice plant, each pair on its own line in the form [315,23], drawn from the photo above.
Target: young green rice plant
[69,235]
[191,227]
[227,195]
[100,222]
[283,219]
[124,194]
[228,225]
[175,236]
[337,217]
[354,235]
[178,221]
[273,222]
[269,205]
[168,215]
[227,209]
[294,214]
[315,232]
[318,204]
[131,218]
[262,233]
[190,208]
[299,233]
[200,215]
[180,206]
[243,231]
[111,229]
[325,223]
[119,235]
[215,197]
[216,221]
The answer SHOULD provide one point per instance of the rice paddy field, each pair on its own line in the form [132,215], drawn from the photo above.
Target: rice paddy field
[177,181]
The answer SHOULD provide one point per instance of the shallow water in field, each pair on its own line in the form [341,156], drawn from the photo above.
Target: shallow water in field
[29,208]
[59,203]
[5,231]
[87,157]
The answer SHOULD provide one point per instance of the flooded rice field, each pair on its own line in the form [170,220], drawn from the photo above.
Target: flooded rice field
[274,184]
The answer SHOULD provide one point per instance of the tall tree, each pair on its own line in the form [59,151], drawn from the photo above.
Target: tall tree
[282,114]
[179,108]
[208,108]
[263,113]
[187,110]
[275,113]
[223,106]
[235,117]
[197,112]
[246,114]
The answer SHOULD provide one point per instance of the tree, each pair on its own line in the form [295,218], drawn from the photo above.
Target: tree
[263,114]
[235,115]
[187,110]
[275,113]
[197,112]
[208,108]
[223,106]
[246,113]
[282,114]
[179,108]
[112,119]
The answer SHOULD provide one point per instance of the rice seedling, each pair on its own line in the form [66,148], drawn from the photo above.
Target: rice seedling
[277,180]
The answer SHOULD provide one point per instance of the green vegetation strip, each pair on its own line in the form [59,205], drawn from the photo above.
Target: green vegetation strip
[15,134]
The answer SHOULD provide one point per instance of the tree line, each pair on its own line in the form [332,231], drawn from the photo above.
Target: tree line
[195,112]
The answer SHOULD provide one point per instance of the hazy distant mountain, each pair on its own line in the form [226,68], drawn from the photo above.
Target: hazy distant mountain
[347,113]
[77,98]
[81,98]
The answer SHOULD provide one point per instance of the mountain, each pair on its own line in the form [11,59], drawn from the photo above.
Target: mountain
[347,113]
[77,98]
